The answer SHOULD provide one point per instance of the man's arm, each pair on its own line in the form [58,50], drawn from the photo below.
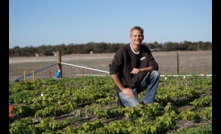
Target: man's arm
[137,70]
[127,91]
[117,81]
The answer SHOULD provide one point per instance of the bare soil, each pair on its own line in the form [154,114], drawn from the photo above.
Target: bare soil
[173,62]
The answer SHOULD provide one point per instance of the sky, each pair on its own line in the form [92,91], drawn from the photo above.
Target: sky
[54,22]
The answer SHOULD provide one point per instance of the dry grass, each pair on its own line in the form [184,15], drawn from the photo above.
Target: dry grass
[190,62]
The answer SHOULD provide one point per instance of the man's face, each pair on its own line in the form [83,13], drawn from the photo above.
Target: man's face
[136,37]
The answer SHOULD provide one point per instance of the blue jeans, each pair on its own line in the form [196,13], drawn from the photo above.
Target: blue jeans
[150,82]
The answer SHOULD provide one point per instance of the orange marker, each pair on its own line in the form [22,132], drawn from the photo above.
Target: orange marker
[10,109]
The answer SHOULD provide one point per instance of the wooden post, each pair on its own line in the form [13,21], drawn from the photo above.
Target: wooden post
[82,72]
[33,75]
[24,75]
[178,63]
[59,67]
[49,74]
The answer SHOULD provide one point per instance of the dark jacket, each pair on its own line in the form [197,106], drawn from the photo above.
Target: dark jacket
[125,60]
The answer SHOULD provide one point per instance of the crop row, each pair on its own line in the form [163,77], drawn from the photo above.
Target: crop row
[88,105]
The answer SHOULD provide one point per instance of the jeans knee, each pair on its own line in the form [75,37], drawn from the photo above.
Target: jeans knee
[155,74]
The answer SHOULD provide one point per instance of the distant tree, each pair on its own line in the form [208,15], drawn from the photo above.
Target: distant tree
[16,47]
[17,51]
[103,47]
[88,47]
[11,53]
[78,49]
[100,47]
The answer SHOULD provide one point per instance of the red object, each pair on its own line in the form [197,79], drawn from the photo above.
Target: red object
[49,73]
[82,72]
[10,109]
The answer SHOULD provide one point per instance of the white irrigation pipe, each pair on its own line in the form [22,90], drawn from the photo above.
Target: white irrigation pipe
[109,72]
[210,75]
[86,67]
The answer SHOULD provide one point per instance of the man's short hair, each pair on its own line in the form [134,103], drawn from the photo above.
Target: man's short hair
[137,28]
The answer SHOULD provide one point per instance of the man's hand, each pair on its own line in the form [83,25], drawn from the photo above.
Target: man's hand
[135,71]
[128,91]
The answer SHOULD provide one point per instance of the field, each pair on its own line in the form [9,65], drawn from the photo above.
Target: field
[190,62]
[88,105]
[74,104]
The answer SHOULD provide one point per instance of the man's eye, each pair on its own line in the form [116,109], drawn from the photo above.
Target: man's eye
[137,35]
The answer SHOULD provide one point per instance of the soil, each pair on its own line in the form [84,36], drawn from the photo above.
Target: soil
[172,62]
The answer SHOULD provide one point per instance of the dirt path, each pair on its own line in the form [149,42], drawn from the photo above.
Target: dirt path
[64,58]
[103,56]
[197,62]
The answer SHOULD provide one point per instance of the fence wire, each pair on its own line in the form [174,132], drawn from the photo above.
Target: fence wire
[188,64]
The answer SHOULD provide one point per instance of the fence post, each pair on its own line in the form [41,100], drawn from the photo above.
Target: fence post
[24,75]
[177,63]
[33,75]
[82,72]
[49,73]
[59,67]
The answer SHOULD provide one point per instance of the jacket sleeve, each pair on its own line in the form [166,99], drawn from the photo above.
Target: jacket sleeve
[152,62]
[116,63]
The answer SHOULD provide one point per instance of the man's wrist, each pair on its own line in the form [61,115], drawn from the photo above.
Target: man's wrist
[122,89]
[141,69]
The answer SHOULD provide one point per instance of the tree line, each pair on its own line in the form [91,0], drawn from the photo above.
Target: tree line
[102,47]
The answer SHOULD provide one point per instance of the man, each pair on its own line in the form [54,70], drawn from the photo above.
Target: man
[133,70]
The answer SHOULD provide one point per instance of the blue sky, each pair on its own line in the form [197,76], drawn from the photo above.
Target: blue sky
[54,22]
